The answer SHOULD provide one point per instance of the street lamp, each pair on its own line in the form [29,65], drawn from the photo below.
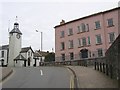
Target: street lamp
[41,44]
[41,39]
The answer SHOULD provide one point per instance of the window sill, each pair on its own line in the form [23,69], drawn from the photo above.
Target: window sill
[80,46]
[62,49]
[97,28]
[70,35]
[70,48]
[79,32]
[88,45]
[110,26]
[99,44]
[84,46]
[61,37]
[82,32]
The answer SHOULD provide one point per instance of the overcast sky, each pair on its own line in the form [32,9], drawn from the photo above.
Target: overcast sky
[43,15]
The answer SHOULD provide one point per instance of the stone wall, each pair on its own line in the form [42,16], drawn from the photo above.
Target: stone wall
[113,59]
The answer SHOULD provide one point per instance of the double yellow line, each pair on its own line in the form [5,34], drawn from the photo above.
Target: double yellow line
[71,83]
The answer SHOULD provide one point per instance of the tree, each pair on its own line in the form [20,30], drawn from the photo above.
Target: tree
[50,57]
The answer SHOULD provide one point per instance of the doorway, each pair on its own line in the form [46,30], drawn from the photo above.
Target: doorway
[84,53]
[29,61]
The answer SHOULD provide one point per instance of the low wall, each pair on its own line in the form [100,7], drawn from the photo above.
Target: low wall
[5,72]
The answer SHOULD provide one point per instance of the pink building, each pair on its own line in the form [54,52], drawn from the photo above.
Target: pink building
[86,37]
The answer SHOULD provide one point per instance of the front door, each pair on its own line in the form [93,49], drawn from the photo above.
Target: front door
[25,63]
[35,62]
[84,53]
[2,62]
[28,61]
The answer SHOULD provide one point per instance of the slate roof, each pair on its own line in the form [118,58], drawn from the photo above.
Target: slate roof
[20,57]
[117,8]
[36,54]
[16,30]
[4,47]
[25,49]
[43,53]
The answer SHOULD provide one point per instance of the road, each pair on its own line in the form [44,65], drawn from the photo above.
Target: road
[40,77]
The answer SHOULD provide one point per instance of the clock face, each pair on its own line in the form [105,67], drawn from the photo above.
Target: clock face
[18,36]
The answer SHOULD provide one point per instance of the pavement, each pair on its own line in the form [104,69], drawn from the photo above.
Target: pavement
[90,78]
[5,72]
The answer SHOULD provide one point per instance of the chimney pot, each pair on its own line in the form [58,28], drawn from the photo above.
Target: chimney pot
[62,22]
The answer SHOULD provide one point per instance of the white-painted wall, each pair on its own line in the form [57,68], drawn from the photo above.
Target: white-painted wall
[14,48]
[25,55]
[43,58]
[31,57]
[38,62]
[19,64]
[5,56]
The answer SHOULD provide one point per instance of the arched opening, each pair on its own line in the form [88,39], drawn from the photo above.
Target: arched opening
[24,63]
[29,61]
[2,62]
[84,53]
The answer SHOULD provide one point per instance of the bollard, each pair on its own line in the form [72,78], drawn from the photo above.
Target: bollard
[106,69]
[100,67]
[86,63]
[95,65]
[103,68]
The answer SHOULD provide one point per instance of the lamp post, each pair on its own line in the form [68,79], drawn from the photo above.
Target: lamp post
[41,38]
[41,41]
[41,44]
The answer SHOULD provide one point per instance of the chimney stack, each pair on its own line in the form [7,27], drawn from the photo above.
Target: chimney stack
[62,22]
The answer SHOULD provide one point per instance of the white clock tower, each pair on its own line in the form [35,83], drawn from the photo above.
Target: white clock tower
[14,43]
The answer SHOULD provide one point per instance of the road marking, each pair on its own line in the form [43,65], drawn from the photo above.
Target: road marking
[41,72]
[71,83]
[78,84]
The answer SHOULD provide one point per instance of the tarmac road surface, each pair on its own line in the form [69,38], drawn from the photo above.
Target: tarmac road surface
[40,77]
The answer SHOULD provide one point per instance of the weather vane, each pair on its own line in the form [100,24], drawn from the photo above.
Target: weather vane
[16,19]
